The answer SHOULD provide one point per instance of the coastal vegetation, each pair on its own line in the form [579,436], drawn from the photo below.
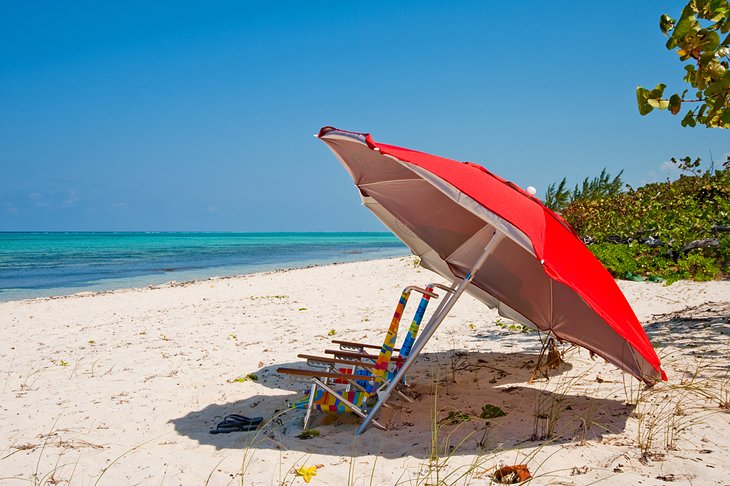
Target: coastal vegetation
[678,229]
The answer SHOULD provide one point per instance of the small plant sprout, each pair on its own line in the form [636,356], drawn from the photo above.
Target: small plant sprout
[491,411]
[331,332]
[233,337]
[269,297]
[512,326]
[243,379]
[456,417]
[308,434]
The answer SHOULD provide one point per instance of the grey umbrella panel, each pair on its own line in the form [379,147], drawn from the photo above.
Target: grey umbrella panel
[447,236]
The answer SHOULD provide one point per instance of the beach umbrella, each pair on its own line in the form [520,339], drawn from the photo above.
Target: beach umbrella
[498,243]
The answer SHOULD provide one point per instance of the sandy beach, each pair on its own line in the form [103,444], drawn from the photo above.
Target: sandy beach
[123,387]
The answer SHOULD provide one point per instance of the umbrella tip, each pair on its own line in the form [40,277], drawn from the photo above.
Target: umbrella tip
[531,190]
[316,135]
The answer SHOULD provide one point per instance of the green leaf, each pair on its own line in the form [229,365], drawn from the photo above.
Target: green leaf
[657,92]
[711,41]
[718,11]
[689,117]
[666,23]
[675,104]
[642,95]
[713,89]
[686,24]
[701,83]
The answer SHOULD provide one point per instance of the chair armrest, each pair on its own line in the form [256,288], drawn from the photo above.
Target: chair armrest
[353,355]
[352,344]
[342,362]
[322,374]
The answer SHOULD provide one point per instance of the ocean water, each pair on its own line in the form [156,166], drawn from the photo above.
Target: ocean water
[44,264]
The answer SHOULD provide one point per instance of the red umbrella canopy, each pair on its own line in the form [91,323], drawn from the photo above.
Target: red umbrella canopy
[539,274]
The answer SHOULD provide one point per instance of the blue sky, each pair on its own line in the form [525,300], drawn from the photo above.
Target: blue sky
[199,116]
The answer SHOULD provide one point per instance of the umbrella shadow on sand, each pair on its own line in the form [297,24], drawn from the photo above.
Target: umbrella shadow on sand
[695,340]
[691,327]
[457,385]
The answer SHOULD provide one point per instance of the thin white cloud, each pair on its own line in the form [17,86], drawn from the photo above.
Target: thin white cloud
[668,166]
[38,199]
[662,172]
[54,199]
[669,170]
[71,199]
[9,207]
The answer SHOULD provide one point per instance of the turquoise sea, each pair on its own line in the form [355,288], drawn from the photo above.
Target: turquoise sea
[43,264]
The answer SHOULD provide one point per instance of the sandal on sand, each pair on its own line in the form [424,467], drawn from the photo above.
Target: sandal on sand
[240,419]
[228,427]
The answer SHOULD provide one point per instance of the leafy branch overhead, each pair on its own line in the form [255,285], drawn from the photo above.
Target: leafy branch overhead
[701,37]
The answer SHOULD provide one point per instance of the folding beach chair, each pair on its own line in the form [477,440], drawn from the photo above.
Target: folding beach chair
[363,374]
[352,357]
[359,351]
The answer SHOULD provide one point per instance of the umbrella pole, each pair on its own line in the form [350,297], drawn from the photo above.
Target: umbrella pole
[431,327]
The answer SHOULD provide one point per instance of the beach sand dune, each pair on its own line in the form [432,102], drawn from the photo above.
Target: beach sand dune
[122,387]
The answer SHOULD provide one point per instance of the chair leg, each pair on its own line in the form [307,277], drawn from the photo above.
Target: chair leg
[308,415]
[355,409]
[403,396]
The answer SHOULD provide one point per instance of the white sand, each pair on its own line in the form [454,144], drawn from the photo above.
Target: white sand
[125,385]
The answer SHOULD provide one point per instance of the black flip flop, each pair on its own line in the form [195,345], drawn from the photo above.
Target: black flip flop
[228,427]
[240,419]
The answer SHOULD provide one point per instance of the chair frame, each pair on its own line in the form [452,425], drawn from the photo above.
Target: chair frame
[378,376]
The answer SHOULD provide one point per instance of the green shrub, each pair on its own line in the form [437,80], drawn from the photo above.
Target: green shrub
[723,252]
[699,267]
[674,212]
[618,259]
